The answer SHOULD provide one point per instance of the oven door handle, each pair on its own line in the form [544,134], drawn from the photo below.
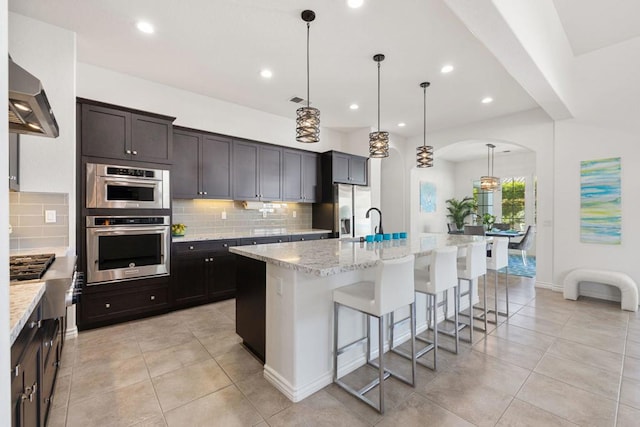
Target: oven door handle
[121,230]
[126,182]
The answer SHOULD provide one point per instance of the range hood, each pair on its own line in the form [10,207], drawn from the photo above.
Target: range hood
[29,109]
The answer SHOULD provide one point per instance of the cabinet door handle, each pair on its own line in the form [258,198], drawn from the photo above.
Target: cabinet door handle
[34,389]
[153,297]
[190,248]
[302,238]
[255,243]
[135,153]
[107,305]
[204,192]
[16,370]
[128,151]
[206,260]
[279,240]
[224,245]
[34,324]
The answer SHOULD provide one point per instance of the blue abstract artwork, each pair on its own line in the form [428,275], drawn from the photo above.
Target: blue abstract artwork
[427,197]
[600,201]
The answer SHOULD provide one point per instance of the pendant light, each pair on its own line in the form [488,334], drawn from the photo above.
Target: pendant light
[308,118]
[378,141]
[424,155]
[489,182]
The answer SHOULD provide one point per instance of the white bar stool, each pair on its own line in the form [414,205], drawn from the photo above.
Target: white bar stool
[441,276]
[473,266]
[498,260]
[393,289]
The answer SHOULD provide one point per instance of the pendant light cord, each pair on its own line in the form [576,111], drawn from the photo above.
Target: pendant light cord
[424,127]
[308,26]
[378,96]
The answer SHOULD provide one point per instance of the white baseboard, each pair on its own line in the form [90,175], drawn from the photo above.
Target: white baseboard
[71,333]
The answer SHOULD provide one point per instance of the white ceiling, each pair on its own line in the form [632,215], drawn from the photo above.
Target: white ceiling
[594,24]
[218,47]
[475,149]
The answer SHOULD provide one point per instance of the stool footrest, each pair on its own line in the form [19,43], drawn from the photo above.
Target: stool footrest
[389,372]
[352,344]
[356,394]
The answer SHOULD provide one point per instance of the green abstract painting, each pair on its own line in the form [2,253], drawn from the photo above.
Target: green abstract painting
[600,197]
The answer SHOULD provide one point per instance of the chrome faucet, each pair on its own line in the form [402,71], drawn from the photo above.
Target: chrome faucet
[378,229]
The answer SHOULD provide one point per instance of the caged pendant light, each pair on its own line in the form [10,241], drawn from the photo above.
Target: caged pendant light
[308,118]
[424,155]
[378,141]
[489,182]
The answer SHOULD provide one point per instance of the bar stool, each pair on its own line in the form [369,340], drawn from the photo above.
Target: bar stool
[441,276]
[474,266]
[393,289]
[497,260]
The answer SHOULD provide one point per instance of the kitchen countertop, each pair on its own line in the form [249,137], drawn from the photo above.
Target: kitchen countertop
[58,251]
[23,299]
[244,234]
[332,256]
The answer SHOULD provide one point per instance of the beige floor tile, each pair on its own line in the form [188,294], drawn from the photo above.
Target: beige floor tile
[107,333]
[605,383]
[123,407]
[594,357]
[633,334]
[632,349]
[158,421]
[522,414]
[631,368]
[98,353]
[593,338]
[228,308]
[418,411]
[88,381]
[61,391]
[238,364]
[541,325]
[628,416]
[318,410]
[630,392]
[509,351]
[556,315]
[221,342]
[169,359]
[57,417]
[170,338]
[524,336]
[612,329]
[569,402]
[189,383]
[262,395]
[474,402]
[210,325]
[225,408]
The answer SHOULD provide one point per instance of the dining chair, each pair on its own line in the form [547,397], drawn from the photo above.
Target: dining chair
[502,226]
[525,243]
[474,230]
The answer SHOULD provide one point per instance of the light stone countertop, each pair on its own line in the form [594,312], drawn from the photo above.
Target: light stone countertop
[266,232]
[23,299]
[332,256]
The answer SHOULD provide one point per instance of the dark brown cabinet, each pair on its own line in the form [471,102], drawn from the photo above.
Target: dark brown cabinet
[300,176]
[201,165]
[304,237]
[125,135]
[251,304]
[14,162]
[343,168]
[202,272]
[257,171]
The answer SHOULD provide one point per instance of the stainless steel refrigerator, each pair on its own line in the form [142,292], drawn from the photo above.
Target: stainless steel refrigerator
[345,215]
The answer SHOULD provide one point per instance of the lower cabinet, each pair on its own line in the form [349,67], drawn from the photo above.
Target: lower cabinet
[202,272]
[251,304]
[35,359]
[110,303]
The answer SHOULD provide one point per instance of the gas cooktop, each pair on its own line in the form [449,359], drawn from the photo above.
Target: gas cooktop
[28,267]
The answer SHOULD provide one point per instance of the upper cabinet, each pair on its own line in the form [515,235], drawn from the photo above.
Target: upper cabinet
[343,168]
[201,165]
[14,162]
[119,134]
[300,176]
[257,171]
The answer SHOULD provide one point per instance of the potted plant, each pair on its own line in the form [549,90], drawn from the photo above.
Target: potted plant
[488,220]
[459,210]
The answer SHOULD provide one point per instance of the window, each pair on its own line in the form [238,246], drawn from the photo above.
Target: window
[513,202]
[483,199]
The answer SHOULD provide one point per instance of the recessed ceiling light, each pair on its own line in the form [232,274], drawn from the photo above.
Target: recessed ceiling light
[487,100]
[402,124]
[446,69]
[145,27]
[267,74]
[354,106]
[354,4]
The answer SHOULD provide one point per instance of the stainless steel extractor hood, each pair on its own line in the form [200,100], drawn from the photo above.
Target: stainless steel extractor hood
[29,109]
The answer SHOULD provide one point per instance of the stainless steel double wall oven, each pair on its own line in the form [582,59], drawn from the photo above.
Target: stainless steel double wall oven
[128,239]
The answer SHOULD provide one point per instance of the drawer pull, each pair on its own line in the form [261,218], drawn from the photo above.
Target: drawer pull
[190,248]
[206,260]
[135,153]
[107,305]
[34,324]
[128,151]
[153,297]
[225,245]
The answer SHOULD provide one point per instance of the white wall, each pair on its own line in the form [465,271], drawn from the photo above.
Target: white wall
[5,360]
[442,174]
[196,111]
[49,53]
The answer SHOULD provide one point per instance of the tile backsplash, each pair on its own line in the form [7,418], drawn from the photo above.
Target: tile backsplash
[205,216]
[27,219]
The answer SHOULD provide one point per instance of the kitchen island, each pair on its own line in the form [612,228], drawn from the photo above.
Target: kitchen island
[299,279]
